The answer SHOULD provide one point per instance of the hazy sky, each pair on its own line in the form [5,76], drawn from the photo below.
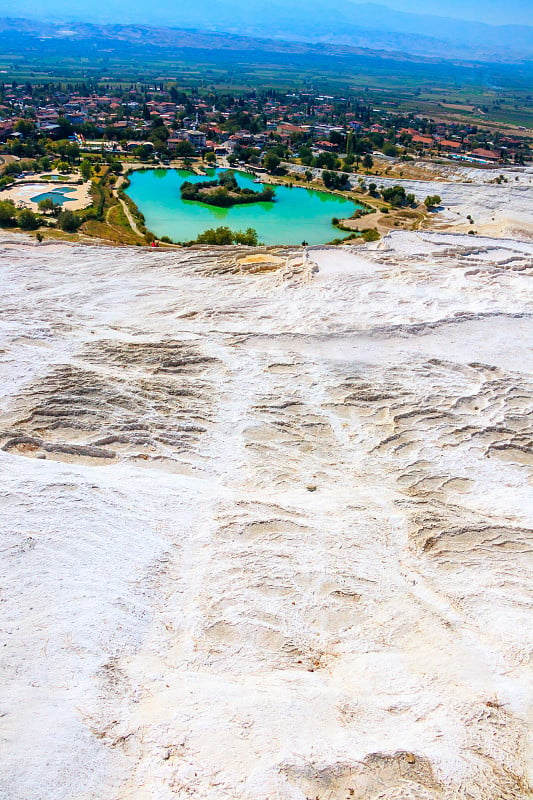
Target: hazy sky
[497,12]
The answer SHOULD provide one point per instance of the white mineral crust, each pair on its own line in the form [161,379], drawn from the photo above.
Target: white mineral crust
[267,526]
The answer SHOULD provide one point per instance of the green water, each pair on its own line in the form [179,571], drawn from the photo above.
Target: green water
[296,215]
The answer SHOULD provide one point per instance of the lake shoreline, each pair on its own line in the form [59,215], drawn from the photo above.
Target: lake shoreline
[284,223]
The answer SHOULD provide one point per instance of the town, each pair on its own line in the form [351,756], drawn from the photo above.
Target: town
[164,121]
[93,132]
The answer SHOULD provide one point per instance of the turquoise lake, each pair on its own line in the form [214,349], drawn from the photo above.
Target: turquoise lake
[296,215]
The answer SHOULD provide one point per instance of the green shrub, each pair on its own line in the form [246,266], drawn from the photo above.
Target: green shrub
[69,221]
[48,205]
[13,168]
[370,235]
[7,212]
[432,201]
[224,235]
[27,220]
[395,195]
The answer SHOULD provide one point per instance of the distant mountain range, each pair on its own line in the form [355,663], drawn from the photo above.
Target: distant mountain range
[395,34]
[367,25]
[377,26]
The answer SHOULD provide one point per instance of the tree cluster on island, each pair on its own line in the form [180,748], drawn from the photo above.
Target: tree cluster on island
[224,191]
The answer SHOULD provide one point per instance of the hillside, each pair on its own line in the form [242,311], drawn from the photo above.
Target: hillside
[374,30]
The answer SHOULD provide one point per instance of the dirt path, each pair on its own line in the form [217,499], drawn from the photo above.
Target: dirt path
[127,212]
[130,218]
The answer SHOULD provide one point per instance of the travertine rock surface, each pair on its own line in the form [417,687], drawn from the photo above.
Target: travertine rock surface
[267,522]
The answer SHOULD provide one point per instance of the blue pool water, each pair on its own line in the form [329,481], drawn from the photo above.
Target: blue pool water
[56,195]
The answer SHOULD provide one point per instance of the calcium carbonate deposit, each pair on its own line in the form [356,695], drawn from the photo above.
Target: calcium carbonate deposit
[267,521]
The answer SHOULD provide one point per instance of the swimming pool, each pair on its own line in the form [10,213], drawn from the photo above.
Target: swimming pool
[56,195]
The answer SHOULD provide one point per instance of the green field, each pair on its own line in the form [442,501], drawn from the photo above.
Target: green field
[497,93]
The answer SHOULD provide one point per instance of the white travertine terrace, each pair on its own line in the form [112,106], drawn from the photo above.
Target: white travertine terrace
[267,525]
[470,198]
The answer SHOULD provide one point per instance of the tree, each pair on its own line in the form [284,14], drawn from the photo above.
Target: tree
[306,155]
[362,145]
[44,164]
[25,126]
[159,133]
[86,169]
[337,138]
[267,195]
[432,201]
[47,205]
[249,237]
[271,161]
[326,160]
[142,152]
[28,164]
[334,181]
[72,151]
[221,235]
[69,221]
[225,236]
[349,144]
[27,220]
[368,161]
[210,157]
[7,212]
[395,195]
[65,128]
[389,149]
[185,149]
[13,168]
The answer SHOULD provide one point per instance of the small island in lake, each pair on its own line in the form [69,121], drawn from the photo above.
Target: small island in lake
[224,191]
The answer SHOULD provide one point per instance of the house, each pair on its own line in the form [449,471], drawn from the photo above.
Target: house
[449,144]
[425,141]
[485,155]
[325,145]
[197,138]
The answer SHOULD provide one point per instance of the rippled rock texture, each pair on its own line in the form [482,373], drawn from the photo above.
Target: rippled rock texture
[266,522]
